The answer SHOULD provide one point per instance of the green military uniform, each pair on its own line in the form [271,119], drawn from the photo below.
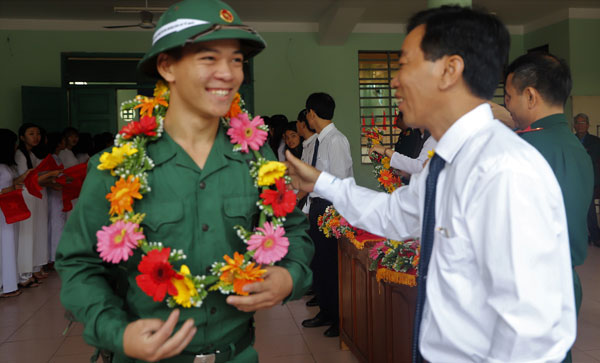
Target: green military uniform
[191,209]
[573,169]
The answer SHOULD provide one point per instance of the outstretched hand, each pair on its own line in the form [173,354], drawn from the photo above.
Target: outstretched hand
[151,340]
[303,175]
[277,286]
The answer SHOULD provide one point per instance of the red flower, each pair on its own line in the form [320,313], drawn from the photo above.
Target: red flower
[282,200]
[146,125]
[157,273]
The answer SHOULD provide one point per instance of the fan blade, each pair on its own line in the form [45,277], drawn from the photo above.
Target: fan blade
[121,26]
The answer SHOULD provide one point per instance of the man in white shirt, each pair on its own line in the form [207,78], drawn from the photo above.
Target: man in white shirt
[310,136]
[331,154]
[499,284]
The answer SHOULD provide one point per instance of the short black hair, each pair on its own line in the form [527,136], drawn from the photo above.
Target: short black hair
[322,103]
[545,72]
[8,140]
[478,37]
[302,118]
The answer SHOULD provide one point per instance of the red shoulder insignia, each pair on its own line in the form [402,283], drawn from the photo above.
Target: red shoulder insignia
[529,129]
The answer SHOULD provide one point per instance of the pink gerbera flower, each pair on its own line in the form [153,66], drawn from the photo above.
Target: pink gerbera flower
[246,133]
[117,241]
[271,246]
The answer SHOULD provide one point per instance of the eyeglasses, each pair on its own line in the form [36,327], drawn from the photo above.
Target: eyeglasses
[580,122]
[217,27]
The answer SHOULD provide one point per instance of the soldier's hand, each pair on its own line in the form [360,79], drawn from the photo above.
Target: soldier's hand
[266,294]
[303,175]
[150,339]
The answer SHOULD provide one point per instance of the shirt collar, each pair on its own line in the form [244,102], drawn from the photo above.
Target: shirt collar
[310,140]
[551,120]
[327,129]
[462,129]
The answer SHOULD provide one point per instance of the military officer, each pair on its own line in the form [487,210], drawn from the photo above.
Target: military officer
[537,87]
[201,189]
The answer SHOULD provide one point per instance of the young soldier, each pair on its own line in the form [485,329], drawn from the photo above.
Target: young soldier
[201,189]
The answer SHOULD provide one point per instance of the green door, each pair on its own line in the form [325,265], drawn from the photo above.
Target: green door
[94,110]
[45,106]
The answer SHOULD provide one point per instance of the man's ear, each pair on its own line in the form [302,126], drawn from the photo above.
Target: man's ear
[532,97]
[164,66]
[453,67]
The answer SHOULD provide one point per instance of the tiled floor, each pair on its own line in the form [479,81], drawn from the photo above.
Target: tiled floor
[31,328]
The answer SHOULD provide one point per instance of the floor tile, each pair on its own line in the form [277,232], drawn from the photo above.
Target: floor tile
[303,358]
[280,345]
[579,356]
[338,357]
[74,346]
[22,351]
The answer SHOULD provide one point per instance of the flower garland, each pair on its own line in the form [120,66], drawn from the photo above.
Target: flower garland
[331,223]
[388,178]
[129,163]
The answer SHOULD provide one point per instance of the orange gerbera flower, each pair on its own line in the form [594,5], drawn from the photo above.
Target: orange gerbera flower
[148,104]
[232,268]
[386,178]
[250,275]
[235,108]
[233,273]
[122,194]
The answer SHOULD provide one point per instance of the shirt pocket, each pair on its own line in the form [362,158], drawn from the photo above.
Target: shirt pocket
[241,211]
[161,222]
[452,252]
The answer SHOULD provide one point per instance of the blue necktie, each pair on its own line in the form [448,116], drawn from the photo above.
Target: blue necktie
[436,164]
[315,152]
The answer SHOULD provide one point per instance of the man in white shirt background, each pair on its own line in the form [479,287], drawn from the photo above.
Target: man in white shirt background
[498,283]
[331,153]
[309,135]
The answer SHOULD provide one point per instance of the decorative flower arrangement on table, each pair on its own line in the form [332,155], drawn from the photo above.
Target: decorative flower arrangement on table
[129,163]
[389,179]
[395,261]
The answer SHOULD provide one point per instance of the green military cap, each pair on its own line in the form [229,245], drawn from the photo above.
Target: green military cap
[192,21]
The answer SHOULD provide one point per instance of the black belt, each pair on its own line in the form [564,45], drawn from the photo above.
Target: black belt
[226,353]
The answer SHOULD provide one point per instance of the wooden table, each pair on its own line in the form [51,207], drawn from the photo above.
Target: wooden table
[376,319]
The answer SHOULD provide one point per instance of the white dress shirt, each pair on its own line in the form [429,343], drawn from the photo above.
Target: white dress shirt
[333,154]
[499,287]
[410,165]
[308,146]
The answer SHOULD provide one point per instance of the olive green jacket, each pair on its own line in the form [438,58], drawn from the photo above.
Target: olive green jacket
[572,167]
[189,209]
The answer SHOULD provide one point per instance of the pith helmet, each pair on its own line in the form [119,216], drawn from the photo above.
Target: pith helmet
[192,21]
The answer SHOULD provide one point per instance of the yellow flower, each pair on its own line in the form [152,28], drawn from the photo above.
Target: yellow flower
[185,288]
[386,162]
[269,172]
[109,161]
[430,153]
[160,89]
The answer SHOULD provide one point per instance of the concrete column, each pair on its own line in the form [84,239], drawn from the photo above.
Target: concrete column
[438,3]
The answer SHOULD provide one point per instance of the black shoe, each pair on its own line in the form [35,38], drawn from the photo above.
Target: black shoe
[313,302]
[315,322]
[333,331]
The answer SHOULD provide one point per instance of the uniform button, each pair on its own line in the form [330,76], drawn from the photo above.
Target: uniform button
[213,310]
[202,185]
[205,227]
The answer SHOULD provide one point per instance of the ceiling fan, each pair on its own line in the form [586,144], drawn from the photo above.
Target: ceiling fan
[145,13]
